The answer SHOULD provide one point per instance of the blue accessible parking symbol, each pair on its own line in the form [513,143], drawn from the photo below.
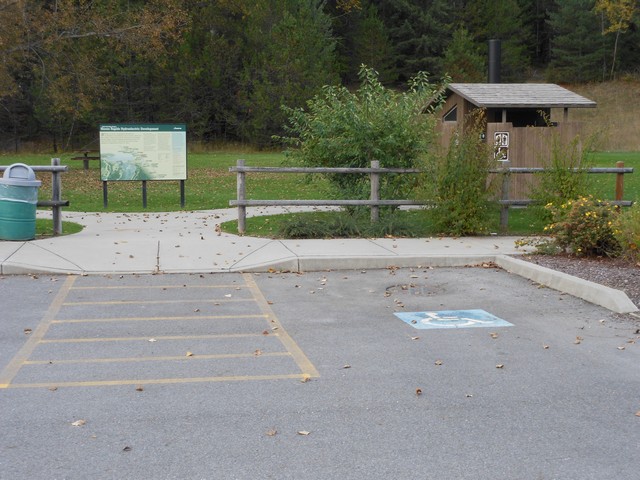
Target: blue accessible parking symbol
[452,319]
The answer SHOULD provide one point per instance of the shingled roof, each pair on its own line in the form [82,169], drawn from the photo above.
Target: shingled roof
[520,95]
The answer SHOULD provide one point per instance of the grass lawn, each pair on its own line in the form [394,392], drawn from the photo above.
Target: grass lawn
[210,185]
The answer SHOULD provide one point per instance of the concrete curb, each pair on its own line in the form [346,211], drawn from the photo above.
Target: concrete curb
[610,298]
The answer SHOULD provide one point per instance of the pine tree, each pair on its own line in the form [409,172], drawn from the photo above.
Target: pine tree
[577,45]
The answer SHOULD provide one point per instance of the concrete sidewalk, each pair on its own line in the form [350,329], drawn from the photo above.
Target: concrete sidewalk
[187,242]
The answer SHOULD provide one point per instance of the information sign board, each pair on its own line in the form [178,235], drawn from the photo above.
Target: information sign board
[143,152]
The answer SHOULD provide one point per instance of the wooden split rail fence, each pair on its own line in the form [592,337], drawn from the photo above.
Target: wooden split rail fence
[375,202]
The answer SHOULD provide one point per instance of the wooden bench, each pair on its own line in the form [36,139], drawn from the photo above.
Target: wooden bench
[86,157]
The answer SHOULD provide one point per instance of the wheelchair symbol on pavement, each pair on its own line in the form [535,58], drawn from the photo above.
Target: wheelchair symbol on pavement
[452,319]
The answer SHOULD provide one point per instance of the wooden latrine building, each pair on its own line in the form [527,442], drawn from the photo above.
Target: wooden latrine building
[521,120]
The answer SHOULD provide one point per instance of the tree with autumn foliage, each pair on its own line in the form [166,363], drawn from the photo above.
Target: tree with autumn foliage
[63,56]
[619,15]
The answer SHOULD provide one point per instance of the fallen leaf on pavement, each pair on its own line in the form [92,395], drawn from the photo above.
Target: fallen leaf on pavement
[346,366]
[500,365]
[27,331]
[493,335]
[305,378]
[139,388]
[79,423]
[272,432]
[189,354]
[438,362]
[418,391]
[303,432]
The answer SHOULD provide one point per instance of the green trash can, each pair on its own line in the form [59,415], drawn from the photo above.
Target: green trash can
[18,201]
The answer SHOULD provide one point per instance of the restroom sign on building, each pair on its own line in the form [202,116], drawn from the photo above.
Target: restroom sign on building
[501,146]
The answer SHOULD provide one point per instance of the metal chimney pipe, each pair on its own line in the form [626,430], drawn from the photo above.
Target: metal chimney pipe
[494,61]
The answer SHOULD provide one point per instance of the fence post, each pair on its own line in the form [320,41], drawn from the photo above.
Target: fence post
[375,191]
[240,187]
[504,208]
[56,196]
[619,182]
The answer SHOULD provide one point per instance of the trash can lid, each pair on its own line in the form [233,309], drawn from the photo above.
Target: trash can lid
[20,174]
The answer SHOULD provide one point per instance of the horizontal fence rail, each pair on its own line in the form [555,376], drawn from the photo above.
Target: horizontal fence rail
[375,202]
[56,203]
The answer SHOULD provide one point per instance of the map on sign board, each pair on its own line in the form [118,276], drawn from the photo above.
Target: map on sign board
[143,152]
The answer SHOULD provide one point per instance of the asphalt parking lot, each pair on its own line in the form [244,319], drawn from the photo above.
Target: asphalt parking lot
[288,376]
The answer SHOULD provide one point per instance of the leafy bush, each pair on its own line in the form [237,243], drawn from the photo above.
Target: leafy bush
[627,232]
[345,129]
[584,227]
[565,175]
[458,182]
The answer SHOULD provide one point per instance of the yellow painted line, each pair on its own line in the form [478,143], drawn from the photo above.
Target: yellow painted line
[151,319]
[156,287]
[160,381]
[298,355]
[157,339]
[161,302]
[196,356]
[36,337]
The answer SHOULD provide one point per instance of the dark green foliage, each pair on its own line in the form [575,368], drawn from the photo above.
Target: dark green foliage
[462,61]
[500,20]
[577,46]
[289,57]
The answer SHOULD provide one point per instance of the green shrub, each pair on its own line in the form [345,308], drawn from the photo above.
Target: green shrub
[627,232]
[565,176]
[458,182]
[350,129]
[585,227]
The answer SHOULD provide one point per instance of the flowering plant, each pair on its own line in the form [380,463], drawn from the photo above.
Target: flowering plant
[584,227]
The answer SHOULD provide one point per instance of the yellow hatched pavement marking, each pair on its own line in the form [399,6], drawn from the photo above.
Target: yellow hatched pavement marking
[153,302]
[147,339]
[22,358]
[11,370]
[158,319]
[159,381]
[298,355]
[182,358]
[155,287]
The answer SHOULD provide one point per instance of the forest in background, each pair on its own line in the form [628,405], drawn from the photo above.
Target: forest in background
[226,67]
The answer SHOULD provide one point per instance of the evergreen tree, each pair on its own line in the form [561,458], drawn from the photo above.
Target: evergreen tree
[371,46]
[289,56]
[577,46]
[462,61]
[419,31]
[503,21]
